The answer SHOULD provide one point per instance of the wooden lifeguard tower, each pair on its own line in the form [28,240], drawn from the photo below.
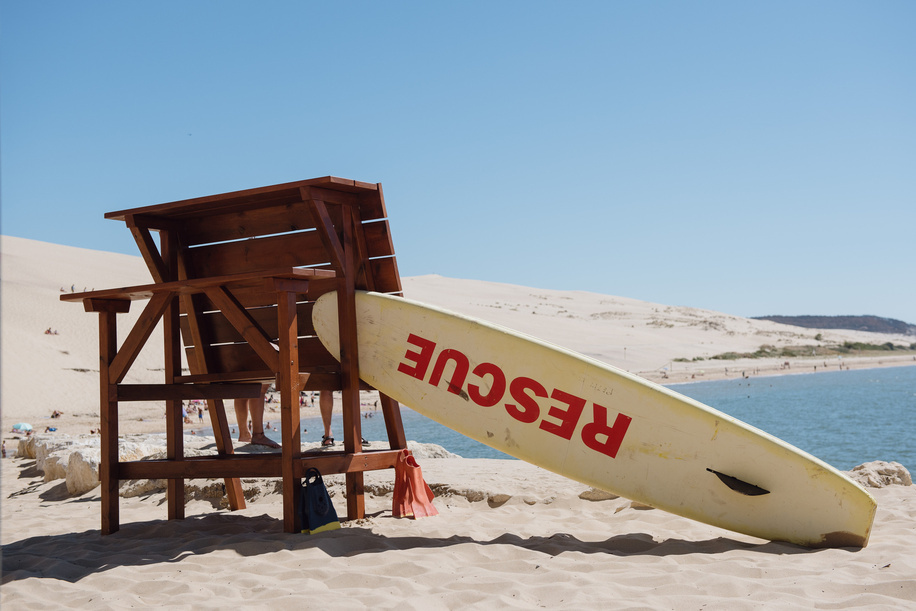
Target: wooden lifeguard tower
[234,277]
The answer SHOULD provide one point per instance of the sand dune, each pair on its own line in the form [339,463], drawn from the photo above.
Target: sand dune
[42,373]
[508,534]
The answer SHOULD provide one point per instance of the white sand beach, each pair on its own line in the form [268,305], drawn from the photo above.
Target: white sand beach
[508,535]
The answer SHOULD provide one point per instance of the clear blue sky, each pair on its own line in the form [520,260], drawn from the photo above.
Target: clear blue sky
[748,157]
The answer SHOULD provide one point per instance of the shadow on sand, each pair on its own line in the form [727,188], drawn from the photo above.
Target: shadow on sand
[77,555]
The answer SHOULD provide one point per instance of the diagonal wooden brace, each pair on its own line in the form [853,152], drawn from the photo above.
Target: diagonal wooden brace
[239,317]
[327,233]
[137,337]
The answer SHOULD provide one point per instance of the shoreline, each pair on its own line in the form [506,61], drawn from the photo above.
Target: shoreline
[701,371]
[687,373]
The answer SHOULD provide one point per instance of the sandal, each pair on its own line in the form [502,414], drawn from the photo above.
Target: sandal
[327,441]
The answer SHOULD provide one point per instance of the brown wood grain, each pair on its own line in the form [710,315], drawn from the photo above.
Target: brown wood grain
[258,465]
[137,337]
[288,383]
[108,461]
[260,254]
[238,316]
[236,279]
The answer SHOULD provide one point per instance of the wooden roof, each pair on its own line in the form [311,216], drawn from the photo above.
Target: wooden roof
[329,189]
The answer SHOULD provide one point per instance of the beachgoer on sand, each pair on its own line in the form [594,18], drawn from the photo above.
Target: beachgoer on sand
[255,435]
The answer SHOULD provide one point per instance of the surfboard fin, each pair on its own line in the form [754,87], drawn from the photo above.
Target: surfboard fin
[739,486]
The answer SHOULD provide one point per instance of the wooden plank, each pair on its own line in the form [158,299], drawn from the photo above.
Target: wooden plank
[108,417]
[246,325]
[257,465]
[220,331]
[393,423]
[234,466]
[137,337]
[217,410]
[249,297]
[288,384]
[259,254]
[241,357]
[386,276]
[149,252]
[378,239]
[174,427]
[248,280]
[317,380]
[152,222]
[329,187]
[186,392]
[356,508]
[213,204]
[349,367]
[378,199]
[246,222]
[362,280]
[319,287]
[238,224]
[262,375]
[341,462]
[115,306]
[327,232]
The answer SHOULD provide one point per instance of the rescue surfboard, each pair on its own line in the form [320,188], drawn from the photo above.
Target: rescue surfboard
[597,424]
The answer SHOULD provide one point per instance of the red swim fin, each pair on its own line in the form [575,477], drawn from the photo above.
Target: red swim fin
[412,496]
[400,504]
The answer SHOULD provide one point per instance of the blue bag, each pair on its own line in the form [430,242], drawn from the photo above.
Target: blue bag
[315,507]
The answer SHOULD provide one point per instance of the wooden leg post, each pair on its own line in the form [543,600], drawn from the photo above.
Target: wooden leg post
[288,381]
[393,423]
[349,367]
[108,416]
[220,424]
[174,424]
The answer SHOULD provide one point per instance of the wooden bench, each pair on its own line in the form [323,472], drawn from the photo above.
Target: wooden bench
[235,276]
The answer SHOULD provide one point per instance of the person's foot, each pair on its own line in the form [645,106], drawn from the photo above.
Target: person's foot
[327,441]
[264,440]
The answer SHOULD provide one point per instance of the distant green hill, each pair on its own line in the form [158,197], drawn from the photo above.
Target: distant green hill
[874,324]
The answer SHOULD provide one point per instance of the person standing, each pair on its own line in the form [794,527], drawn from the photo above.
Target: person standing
[255,407]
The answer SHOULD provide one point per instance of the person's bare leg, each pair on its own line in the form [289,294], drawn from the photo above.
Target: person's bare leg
[241,416]
[326,405]
[256,408]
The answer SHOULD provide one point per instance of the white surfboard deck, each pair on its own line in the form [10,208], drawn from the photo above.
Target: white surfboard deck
[597,424]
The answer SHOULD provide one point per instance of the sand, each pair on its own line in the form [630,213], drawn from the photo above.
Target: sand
[508,533]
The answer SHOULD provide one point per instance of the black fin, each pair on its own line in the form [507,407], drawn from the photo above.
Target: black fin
[738,485]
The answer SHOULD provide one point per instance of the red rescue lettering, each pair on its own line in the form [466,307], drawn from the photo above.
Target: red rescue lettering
[561,420]
[497,387]
[421,359]
[529,410]
[568,418]
[461,370]
[613,434]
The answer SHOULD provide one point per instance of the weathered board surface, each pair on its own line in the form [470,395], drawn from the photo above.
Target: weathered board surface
[599,425]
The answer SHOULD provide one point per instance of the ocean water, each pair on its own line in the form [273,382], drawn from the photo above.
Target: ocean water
[845,418]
